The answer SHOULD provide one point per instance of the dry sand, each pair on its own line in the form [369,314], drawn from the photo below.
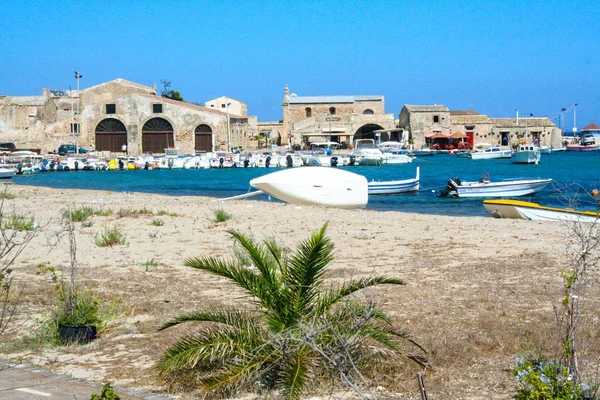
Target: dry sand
[479,290]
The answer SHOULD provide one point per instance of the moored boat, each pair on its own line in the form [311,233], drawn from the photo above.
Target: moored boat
[527,154]
[581,147]
[491,153]
[486,188]
[395,187]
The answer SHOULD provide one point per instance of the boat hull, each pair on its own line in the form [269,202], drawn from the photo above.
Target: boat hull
[502,189]
[395,187]
[526,157]
[535,212]
[579,147]
[329,187]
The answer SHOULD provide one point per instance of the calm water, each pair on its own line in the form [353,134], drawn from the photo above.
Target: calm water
[568,169]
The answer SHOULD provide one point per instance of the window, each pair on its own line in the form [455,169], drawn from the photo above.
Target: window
[368,111]
[111,108]
[436,119]
[332,110]
[74,128]
[157,108]
[223,105]
[308,112]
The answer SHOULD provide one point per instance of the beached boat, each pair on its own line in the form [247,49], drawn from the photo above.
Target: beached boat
[491,153]
[330,187]
[535,212]
[527,154]
[395,187]
[486,188]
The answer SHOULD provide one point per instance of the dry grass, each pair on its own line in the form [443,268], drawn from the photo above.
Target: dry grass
[474,302]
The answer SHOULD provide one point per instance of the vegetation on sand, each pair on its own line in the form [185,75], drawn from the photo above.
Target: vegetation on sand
[299,330]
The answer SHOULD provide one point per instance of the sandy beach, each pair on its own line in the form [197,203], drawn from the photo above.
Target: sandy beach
[479,290]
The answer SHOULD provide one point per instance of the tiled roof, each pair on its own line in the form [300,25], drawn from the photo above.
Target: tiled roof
[27,100]
[523,122]
[122,81]
[591,127]
[434,108]
[463,112]
[331,99]
[469,119]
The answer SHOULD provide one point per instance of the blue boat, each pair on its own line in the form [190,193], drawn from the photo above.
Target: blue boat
[395,187]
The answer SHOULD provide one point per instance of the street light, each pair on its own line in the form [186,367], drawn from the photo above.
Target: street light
[78,76]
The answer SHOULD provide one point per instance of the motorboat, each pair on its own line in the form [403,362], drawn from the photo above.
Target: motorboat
[486,188]
[505,208]
[550,150]
[222,159]
[291,160]
[367,153]
[395,187]
[581,147]
[7,173]
[527,154]
[326,153]
[490,153]
[422,152]
[330,187]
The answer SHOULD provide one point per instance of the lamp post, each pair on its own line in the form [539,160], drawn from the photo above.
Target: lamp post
[574,119]
[228,128]
[78,76]
[562,120]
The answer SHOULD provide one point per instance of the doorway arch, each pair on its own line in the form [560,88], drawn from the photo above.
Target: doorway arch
[203,138]
[157,135]
[367,132]
[110,135]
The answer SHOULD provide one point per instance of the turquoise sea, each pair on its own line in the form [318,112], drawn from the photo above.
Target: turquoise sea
[570,170]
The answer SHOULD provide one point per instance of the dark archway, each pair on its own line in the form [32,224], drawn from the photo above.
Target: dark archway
[157,135]
[203,136]
[111,134]
[366,132]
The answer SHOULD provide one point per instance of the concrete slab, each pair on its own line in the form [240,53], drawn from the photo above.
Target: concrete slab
[19,382]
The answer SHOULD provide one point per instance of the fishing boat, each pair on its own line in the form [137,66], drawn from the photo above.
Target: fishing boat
[7,173]
[527,154]
[535,212]
[491,153]
[395,187]
[487,188]
[330,187]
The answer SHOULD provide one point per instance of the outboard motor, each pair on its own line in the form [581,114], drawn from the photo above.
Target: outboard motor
[268,161]
[19,168]
[146,165]
[121,164]
[333,161]
[450,189]
[52,165]
[352,160]
[289,161]
[76,165]
[246,163]
[221,161]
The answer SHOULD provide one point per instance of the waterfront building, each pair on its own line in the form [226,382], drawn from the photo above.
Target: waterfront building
[341,119]
[107,116]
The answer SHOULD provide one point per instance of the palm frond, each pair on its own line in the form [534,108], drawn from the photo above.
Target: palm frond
[259,257]
[307,267]
[235,318]
[332,297]
[294,374]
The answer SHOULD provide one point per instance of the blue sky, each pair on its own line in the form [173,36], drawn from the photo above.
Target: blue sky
[496,57]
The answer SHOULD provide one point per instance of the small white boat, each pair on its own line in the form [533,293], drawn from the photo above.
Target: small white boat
[486,188]
[535,212]
[395,187]
[527,154]
[291,160]
[492,152]
[367,153]
[330,187]
[7,173]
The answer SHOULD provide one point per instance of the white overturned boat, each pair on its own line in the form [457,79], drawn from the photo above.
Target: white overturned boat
[318,186]
[486,188]
[532,211]
[395,187]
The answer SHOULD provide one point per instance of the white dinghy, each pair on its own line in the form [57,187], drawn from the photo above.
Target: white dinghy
[318,186]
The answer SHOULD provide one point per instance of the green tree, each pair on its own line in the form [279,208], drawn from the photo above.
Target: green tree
[299,330]
[168,92]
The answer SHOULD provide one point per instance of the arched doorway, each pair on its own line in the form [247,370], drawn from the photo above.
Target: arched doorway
[203,136]
[366,132]
[111,134]
[157,135]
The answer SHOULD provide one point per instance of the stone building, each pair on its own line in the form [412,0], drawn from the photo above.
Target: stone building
[236,107]
[342,119]
[106,116]
[429,124]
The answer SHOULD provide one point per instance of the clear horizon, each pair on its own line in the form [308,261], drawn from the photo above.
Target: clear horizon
[537,56]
